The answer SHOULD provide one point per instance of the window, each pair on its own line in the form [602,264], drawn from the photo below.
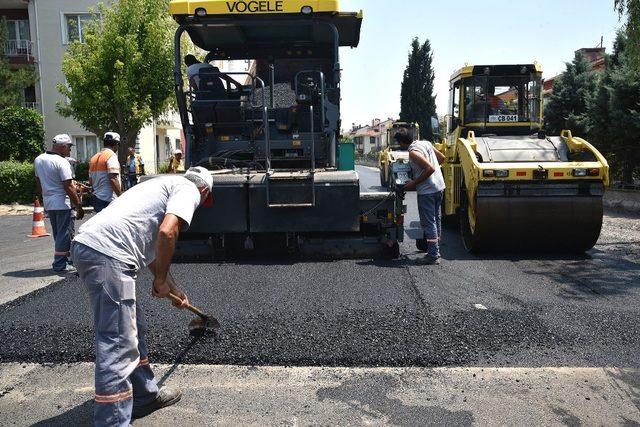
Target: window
[500,99]
[75,26]
[372,140]
[18,29]
[167,145]
[86,147]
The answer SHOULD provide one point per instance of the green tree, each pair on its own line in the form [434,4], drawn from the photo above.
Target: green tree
[572,91]
[631,8]
[21,134]
[13,82]
[417,102]
[614,113]
[121,75]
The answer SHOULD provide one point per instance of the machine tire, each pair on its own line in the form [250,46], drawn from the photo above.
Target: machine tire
[469,240]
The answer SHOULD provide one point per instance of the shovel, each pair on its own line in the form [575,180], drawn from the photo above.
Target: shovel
[201,324]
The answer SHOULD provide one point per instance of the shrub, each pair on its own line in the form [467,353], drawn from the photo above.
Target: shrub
[164,168]
[17,182]
[21,134]
[82,172]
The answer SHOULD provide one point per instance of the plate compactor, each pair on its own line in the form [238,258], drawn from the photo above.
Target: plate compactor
[270,135]
[511,184]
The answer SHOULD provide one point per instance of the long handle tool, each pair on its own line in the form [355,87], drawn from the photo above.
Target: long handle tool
[202,323]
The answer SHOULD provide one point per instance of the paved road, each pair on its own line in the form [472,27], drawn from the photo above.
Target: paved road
[500,310]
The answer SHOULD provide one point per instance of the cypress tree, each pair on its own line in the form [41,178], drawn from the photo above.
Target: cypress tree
[417,101]
[572,91]
[614,112]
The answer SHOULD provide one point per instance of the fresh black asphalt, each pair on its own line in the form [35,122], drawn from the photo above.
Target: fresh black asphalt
[496,310]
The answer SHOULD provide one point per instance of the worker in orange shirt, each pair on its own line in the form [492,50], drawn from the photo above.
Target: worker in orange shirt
[104,173]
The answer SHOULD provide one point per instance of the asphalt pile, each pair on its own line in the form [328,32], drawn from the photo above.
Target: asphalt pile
[269,322]
[283,95]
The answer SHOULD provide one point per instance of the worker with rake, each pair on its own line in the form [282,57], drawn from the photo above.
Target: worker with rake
[138,229]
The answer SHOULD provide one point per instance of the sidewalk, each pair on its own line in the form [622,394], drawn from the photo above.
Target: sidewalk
[226,395]
[26,262]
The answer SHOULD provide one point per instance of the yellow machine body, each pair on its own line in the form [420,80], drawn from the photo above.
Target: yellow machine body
[392,153]
[251,7]
[510,183]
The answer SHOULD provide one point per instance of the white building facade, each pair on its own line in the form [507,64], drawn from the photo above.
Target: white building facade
[39,33]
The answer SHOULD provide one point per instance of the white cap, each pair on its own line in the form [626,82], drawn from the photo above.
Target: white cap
[62,139]
[111,136]
[200,173]
[177,151]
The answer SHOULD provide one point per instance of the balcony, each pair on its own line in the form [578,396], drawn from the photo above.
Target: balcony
[170,119]
[31,105]
[19,49]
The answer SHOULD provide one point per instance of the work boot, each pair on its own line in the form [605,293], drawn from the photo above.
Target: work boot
[167,396]
[428,260]
[69,268]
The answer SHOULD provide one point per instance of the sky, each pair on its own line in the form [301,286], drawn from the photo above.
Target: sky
[461,31]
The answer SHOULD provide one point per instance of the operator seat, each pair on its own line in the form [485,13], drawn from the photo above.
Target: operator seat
[211,86]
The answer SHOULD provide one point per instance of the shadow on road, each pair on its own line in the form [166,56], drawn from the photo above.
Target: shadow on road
[31,273]
[602,275]
[179,360]
[81,415]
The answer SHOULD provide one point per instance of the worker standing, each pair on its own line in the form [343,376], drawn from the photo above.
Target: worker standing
[104,172]
[429,183]
[135,167]
[54,179]
[176,163]
[140,228]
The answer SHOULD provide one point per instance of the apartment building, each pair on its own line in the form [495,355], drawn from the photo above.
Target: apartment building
[39,33]
[371,138]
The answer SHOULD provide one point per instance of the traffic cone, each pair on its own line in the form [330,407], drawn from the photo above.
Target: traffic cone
[38,230]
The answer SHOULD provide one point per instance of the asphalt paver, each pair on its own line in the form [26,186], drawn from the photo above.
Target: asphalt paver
[495,310]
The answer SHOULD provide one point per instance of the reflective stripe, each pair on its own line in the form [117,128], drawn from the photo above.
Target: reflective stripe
[61,253]
[113,398]
[38,223]
[38,210]
[143,362]
[432,240]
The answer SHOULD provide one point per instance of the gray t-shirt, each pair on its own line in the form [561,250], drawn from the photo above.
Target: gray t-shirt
[435,182]
[128,228]
[52,170]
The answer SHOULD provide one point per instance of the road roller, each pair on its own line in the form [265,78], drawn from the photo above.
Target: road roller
[511,185]
[393,161]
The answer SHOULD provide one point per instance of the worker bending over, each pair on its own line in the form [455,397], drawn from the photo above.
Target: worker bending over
[54,179]
[104,173]
[140,228]
[429,184]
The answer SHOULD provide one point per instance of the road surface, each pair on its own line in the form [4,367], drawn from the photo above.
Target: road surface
[511,312]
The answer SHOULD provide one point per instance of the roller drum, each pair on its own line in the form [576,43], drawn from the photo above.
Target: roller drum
[539,218]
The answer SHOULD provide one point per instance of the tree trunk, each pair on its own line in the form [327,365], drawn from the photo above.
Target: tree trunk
[627,171]
[127,139]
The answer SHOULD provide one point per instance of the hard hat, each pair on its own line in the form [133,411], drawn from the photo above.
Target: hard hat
[177,151]
[62,139]
[111,137]
[201,173]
